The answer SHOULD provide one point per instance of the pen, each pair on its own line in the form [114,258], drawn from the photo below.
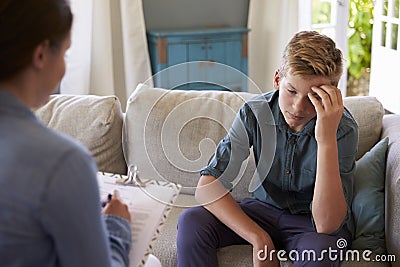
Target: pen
[104,203]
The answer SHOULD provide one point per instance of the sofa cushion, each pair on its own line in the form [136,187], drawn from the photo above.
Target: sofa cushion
[369,199]
[368,113]
[95,121]
[173,133]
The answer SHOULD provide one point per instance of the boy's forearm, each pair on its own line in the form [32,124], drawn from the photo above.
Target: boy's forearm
[214,197]
[227,210]
[329,206]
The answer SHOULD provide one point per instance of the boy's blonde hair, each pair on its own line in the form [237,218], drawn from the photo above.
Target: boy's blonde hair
[312,53]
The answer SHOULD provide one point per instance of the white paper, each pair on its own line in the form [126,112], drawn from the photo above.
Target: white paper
[147,207]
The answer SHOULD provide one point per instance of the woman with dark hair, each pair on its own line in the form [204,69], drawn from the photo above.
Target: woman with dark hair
[50,213]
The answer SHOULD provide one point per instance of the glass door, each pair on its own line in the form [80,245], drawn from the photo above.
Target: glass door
[385,61]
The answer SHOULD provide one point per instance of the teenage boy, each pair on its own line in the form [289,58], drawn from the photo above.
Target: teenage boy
[302,203]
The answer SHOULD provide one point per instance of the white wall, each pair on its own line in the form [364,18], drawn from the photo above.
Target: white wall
[184,14]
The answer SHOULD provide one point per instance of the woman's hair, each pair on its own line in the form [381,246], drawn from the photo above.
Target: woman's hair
[312,53]
[24,24]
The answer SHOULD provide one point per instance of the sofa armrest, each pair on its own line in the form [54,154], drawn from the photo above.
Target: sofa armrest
[391,128]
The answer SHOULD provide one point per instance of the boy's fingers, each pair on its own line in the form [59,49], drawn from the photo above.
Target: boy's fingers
[324,94]
[317,104]
[336,96]
[329,93]
[320,96]
[339,96]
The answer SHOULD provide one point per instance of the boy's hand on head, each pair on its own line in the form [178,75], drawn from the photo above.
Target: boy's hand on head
[328,103]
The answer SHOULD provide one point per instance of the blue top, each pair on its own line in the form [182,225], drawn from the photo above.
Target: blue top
[50,212]
[286,161]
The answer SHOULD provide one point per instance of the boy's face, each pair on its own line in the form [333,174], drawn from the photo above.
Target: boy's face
[294,103]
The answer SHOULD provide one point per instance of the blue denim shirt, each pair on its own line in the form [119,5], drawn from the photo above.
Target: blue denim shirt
[285,160]
[50,212]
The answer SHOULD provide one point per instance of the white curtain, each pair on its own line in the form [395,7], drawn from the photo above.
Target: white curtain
[77,76]
[108,55]
[272,24]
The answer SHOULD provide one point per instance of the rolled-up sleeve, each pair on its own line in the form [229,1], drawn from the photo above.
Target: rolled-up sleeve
[119,234]
[233,149]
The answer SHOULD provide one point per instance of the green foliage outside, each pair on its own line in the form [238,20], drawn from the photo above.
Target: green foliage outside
[321,12]
[360,36]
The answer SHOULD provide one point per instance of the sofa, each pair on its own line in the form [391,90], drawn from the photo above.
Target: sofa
[171,134]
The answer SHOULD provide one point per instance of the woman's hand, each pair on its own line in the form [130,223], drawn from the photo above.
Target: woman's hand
[117,208]
[328,103]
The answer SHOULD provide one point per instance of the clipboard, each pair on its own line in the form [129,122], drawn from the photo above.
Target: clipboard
[149,203]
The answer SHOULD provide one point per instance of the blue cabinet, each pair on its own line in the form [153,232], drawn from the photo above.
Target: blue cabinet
[216,59]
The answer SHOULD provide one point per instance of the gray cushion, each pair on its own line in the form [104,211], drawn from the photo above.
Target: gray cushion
[95,121]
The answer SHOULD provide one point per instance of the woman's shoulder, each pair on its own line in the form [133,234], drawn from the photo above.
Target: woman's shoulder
[55,147]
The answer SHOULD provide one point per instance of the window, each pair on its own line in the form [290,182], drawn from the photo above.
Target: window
[389,20]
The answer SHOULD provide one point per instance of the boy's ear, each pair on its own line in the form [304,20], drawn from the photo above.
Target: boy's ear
[40,54]
[276,79]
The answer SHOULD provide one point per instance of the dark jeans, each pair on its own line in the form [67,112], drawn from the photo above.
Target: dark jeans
[200,234]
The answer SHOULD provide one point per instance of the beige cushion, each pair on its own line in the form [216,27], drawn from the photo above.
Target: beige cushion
[95,121]
[173,133]
[368,112]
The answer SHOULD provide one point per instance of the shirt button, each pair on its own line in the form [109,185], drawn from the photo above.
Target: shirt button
[287,171]
[292,142]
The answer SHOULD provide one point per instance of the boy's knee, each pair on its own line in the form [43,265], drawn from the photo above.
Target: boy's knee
[195,221]
[189,217]
[319,250]
[194,225]
[319,242]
